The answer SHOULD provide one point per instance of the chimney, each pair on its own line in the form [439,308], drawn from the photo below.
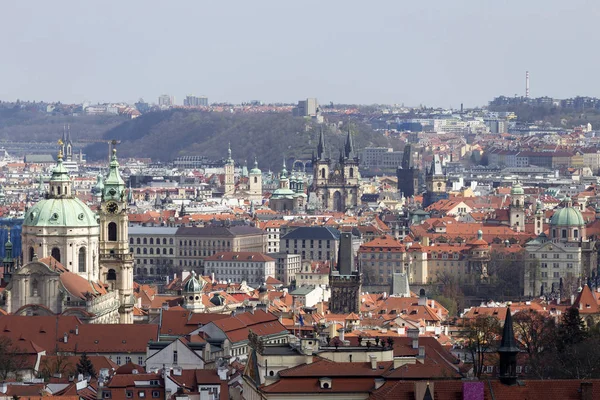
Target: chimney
[65,337]
[422,298]
[341,332]
[413,334]
[587,390]
[572,299]
[373,360]
[3,387]
[76,330]
[421,352]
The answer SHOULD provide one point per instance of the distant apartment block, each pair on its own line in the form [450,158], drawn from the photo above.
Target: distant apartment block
[195,101]
[381,158]
[164,100]
[308,108]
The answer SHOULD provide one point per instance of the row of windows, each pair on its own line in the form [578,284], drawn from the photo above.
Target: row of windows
[555,275]
[213,243]
[557,256]
[150,241]
[556,265]
[159,261]
[150,251]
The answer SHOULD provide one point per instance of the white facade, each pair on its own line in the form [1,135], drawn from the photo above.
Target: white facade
[254,272]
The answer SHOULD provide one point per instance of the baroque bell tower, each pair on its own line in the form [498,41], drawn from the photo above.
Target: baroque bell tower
[116,262]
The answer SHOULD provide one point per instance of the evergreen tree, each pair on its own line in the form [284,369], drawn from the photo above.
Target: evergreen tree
[85,366]
[572,330]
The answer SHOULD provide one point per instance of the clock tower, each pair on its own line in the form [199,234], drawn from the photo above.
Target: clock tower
[116,262]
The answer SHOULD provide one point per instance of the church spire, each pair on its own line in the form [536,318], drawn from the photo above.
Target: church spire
[60,182]
[321,146]
[349,146]
[508,351]
[114,185]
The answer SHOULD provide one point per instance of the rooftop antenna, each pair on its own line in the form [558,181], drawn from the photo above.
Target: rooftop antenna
[526,84]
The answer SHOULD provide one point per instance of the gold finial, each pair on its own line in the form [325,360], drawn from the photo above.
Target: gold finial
[60,142]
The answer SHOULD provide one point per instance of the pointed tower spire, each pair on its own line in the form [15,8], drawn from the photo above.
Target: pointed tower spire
[114,185]
[508,351]
[349,146]
[321,145]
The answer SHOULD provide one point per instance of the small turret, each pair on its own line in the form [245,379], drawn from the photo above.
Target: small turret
[508,351]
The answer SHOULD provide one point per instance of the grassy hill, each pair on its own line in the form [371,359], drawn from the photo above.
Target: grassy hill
[270,137]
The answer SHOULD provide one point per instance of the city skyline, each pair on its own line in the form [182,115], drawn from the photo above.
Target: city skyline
[436,55]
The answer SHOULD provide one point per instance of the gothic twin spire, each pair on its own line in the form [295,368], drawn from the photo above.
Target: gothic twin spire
[347,152]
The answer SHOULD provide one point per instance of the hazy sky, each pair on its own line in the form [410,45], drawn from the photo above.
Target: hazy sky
[434,52]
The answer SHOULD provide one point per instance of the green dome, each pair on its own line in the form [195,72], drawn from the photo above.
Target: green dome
[70,212]
[282,192]
[192,285]
[568,216]
[517,189]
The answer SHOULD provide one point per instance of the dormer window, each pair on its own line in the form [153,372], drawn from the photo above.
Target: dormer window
[325,383]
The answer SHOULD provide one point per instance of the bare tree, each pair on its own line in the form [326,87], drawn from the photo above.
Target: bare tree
[11,358]
[481,338]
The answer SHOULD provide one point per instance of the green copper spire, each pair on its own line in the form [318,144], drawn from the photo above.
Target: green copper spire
[60,173]
[284,170]
[114,185]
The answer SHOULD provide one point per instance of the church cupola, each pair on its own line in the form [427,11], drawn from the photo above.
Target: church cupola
[508,351]
[60,182]
[192,294]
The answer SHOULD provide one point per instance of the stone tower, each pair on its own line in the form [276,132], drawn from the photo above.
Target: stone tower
[255,182]
[229,174]
[116,262]
[346,282]
[539,219]
[435,182]
[517,208]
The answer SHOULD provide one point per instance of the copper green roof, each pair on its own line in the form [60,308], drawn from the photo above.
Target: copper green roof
[568,216]
[68,212]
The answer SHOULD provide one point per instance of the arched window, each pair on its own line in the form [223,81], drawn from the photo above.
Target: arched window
[170,251]
[138,241]
[82,260]
[323,173]
[564,234]
[145,241]
[351,172]
[151,240]
[145,250]
[112,275]
[55,253]
[157,240]
[171,241]
[139,270]
[151,271]
[130,240]
[255,180]
[31,253]
[164,240]
[151,250]
[112,232]
[164,250]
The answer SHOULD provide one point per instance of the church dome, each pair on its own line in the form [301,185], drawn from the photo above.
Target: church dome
[60,212]
[192,285]
[217,300]
[567,216]
[517,189]
[61,208]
